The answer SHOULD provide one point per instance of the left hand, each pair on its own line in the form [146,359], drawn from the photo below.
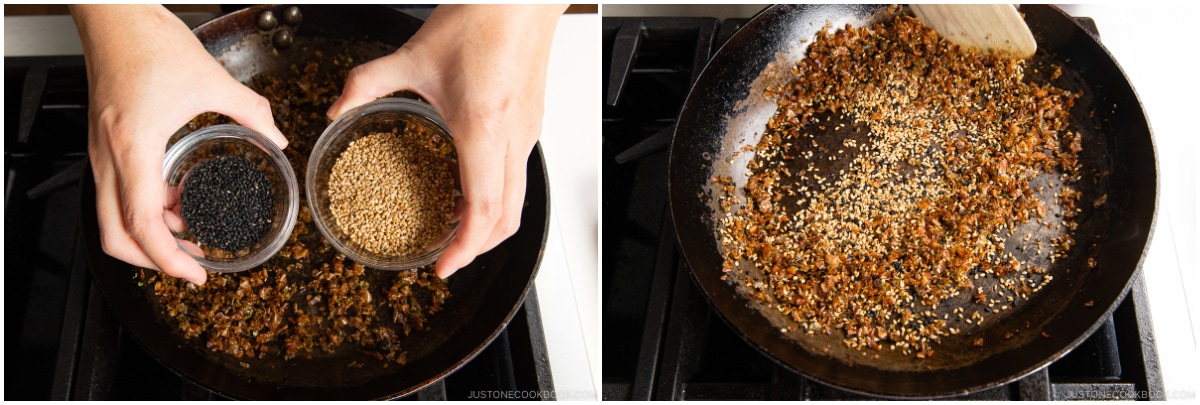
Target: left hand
[148,76]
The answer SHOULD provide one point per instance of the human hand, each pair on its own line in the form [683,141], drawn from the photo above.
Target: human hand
[147,77]
[484,69]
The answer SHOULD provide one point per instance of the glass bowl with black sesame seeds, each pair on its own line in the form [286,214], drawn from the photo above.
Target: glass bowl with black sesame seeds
[382,184]
[233,197]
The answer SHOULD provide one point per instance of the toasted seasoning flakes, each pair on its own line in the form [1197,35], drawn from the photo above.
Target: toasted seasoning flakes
[919,211]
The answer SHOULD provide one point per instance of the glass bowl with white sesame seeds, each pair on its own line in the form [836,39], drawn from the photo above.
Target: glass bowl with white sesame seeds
[382,184]
[232,197]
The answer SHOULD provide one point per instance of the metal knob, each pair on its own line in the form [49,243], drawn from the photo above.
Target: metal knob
[266,20]
[292,16]
[282,39]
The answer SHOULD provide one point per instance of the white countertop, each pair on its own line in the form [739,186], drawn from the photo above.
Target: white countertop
[568,282]
[1156,47]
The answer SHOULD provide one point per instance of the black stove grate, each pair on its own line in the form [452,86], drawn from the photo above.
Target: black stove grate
[662,339]
[62,339]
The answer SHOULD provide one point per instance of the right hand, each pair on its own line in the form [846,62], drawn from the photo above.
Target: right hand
[484,69]
[148,76]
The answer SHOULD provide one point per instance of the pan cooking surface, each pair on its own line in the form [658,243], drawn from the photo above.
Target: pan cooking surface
[725,112]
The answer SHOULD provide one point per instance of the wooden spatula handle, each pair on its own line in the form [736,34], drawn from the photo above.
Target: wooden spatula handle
[995,29]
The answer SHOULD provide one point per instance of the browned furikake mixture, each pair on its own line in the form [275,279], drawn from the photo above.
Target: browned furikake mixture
[308,299]
[925,201]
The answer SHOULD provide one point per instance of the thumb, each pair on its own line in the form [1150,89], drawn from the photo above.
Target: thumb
[373,80]
[249,109]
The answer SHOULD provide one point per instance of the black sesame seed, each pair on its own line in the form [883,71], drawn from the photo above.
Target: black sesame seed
[227,203]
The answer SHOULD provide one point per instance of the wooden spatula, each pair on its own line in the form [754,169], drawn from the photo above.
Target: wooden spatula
[995,29]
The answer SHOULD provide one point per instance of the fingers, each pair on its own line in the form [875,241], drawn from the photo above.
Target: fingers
[373,80]
[114,239]
[482,216]
[174,220]
[163,249]
[247,108]
[142,190]
[513,197]
[173,211]
[482,171]
[190,247]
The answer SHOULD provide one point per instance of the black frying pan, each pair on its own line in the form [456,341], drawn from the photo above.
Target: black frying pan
[725,110]
[485,295]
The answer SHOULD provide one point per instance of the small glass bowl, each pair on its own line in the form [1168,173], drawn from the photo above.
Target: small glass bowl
[382,115]
[223,140]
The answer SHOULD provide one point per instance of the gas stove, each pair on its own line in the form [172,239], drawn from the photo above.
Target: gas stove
[662,339]
[62,339]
